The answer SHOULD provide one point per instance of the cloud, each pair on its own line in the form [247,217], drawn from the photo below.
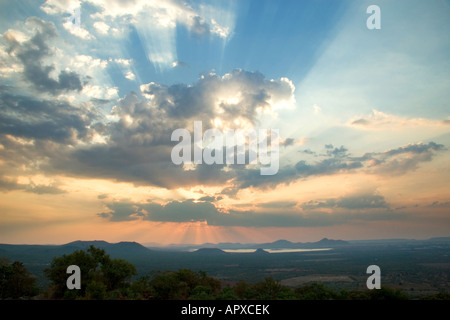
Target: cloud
[180,64]
[33,53]
[308,151]
[394,161]
[133,142]
[317,109]
[138,140]
[438,204]
[335,160]
[210,198]
[10,184]
[174,211]
[31,118]
[166,14]
[236,95]
[78,31]
[381,121]
[401,160]
[59,6]
[278,204]
[135,145]
[44,189]
[359,202]
[281,214]
[101,27]
[287,142]
[155,22]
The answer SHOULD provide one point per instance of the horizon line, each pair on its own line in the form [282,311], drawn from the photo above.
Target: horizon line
[155,244]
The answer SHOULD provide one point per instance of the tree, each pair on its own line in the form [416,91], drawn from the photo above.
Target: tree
[116,272]
[96,290]
[315,291]
[99,273]
[167,286]
[141,288]
[57,272]
[243,290]
[184,284]
[16,281]
[271,289]
[227,294]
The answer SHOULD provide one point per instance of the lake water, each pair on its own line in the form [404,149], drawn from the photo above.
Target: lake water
[275,250]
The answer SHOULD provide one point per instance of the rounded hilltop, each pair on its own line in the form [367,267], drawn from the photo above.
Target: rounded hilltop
[210,251]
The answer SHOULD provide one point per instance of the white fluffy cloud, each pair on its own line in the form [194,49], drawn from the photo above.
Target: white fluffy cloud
[154,21]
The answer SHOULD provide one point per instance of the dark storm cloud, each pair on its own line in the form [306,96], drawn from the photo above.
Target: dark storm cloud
[31,54]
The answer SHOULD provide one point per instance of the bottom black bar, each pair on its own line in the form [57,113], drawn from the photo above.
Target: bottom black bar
[265,309]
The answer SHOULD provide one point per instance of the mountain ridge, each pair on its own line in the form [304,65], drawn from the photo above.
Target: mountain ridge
[277,244]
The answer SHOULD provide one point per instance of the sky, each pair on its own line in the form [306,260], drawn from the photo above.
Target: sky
[92,91]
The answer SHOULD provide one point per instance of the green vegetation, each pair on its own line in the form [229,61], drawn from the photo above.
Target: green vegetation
[106,278]
[16,281]
[101,276]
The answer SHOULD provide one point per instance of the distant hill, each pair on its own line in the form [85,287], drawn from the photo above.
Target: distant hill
[285,244]
[327,242]
[121,248]
[44,253]
[210,251]
[86,244]
[260,251]
[276,245]
[440,239]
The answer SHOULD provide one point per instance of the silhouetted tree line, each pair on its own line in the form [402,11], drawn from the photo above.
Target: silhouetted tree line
[106,278]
